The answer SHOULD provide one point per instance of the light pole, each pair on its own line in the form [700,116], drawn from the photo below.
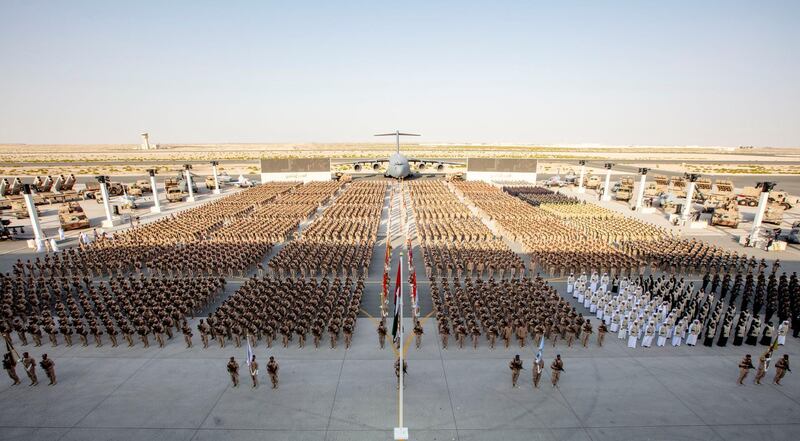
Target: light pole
[187,172]
[763,199]
[38,236]
[214,165]
[640,195]
[692,178]
[581,188]
[156,208]
[104,180]
[607,187]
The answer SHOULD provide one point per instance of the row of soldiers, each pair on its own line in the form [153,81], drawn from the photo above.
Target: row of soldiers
[454,242]
[130,307]
[266,308]
[341,241]
[47,364]
[226,237]
[509,310]
[554,244]
[252,369]
[781,367]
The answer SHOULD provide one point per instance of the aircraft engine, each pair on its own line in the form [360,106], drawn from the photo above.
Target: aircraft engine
[439,167]
[421,166]
[357,167]
[376,166]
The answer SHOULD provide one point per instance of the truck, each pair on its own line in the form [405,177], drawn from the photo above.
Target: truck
[72,217]
[625,190]
[140,187]
[593,182]
[175,194]
[92,190]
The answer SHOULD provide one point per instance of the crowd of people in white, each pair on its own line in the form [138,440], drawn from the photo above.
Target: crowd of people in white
[666,310]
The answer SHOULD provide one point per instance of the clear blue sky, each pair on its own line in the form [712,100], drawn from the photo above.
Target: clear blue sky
[643,72]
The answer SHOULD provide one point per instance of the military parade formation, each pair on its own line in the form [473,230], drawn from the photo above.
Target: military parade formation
[289,264]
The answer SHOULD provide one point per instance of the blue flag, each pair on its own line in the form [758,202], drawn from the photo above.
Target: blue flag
[541,348]
[249,352]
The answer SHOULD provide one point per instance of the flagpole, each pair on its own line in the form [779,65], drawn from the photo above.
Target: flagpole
[401,340]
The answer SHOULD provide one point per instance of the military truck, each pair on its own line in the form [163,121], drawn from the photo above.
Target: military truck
[782,198]
[653,189]
[92,190]
[724,186]
[625,190]
[703,184]
[140,187]
[593,182]
[72,217]
[134,190]
[180,182]
[210,184]
[749,196]
[175,194]
[726,215]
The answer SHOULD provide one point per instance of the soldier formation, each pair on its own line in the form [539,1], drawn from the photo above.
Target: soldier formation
[272,309]
[145,284]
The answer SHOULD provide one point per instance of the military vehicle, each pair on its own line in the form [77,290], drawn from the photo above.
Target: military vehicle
[782,198]
[593,182]
[134,190]
[726,215]
[92,190]
[210,184]
[670,204]
[654,189]
[678,186]
[20,210]
[661,180]
[794,235]
[724,186]
[175,194]
[714,201]
[625,190]
[555,181]
[72,217]
[127,204]
[773,214]
[703,184]
[749,196]
[140,187]
[43,185]
[180,181]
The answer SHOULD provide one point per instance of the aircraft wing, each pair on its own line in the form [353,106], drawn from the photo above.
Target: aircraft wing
[362,161]
[430,161]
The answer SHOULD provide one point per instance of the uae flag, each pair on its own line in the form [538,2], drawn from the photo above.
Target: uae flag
[398,299]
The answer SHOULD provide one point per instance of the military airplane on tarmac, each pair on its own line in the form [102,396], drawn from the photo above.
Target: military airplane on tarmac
[399,166]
